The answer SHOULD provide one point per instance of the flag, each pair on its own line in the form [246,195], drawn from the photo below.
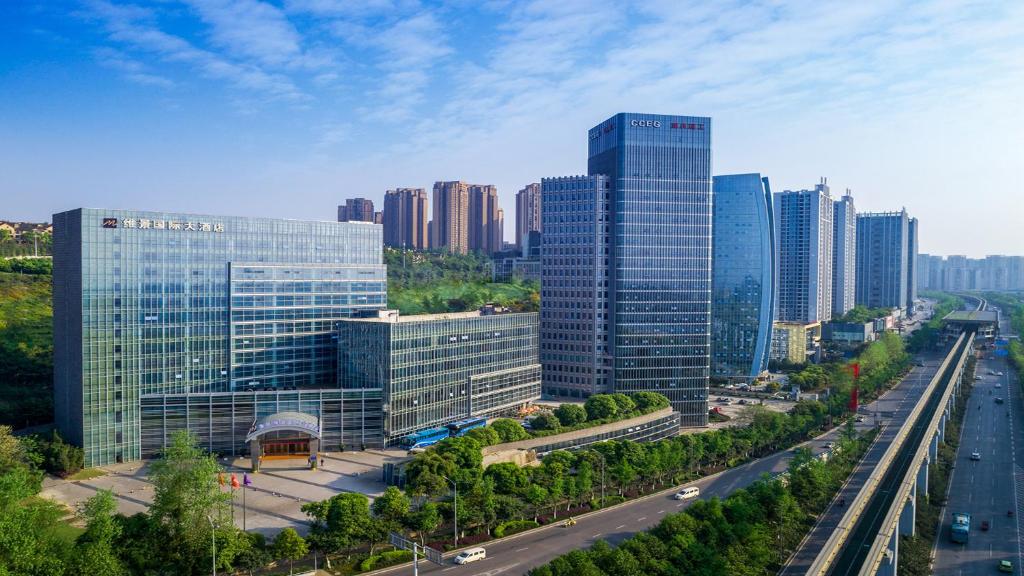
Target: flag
[856,370]
[220,479]
[245,479]
[234,482]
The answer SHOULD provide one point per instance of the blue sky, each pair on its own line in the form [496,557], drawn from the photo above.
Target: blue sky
[286,107]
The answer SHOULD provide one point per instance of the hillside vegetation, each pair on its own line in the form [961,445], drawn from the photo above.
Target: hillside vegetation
[26,350]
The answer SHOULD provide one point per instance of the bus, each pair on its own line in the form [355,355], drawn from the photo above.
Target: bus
[462,426]
[961,528]
[424,438]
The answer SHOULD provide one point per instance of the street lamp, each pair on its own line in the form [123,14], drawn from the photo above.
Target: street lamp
[455,509]
[603,463]
[213,542]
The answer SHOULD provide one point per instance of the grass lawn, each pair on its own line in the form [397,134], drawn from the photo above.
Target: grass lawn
[87,474]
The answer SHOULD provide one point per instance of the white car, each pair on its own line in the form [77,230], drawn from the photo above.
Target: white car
[999,373]
[975,455]
[687,493]
[470,555]
[998,385]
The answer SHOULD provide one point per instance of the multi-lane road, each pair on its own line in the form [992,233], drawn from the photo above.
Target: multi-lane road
[987,488]
[519,554]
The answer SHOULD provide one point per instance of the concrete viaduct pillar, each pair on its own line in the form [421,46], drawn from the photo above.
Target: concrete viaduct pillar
[888,565]
[922,478]
[909,514]
[933,447]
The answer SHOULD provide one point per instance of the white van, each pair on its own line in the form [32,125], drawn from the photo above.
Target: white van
[470,555]
[687,493]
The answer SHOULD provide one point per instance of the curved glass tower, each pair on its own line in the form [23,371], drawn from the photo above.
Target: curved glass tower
[743,283]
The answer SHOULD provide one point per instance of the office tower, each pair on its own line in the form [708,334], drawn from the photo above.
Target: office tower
[924,271]
[575,271]
[883,245]
[405,218]
[356,210]
[743,276]
[803,232]
[528,212]
[485,219]
[911,264]
[844,254]
[440,368]
[165,322]
[659,337]
[450,226]
[378,217]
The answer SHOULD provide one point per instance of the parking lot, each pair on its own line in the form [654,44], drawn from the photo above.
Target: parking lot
[271,503]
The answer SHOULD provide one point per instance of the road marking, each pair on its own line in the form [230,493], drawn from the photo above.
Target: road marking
[447,569]
[620,527]
[679,505]
[596,535]
[523,549]
[641,519]
[661,511]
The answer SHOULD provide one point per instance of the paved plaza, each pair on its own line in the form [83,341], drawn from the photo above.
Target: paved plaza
[272,502]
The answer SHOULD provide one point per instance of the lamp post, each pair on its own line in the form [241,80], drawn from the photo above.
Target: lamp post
[603,463]
[455,513]
[213,542]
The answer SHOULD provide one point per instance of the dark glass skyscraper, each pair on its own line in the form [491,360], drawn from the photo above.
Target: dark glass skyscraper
[743,284]
[884,259]
[659,329]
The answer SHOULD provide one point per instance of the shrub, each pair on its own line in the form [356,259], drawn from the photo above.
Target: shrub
[513,527]
[570,414]
[385,559]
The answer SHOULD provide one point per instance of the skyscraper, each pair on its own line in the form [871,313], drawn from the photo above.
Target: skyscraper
[659,286]
[803,221]
[883,250]
[911,264]
[528,212]
[356,210]
[405,218]
[450,226]
[575,268]
[486,219]
[844,254]
[743,276]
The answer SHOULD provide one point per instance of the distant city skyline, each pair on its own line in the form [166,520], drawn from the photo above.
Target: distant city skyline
[285,110]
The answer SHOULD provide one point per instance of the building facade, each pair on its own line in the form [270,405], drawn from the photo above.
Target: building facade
[659,289]
[743,280]
[844,255]
[168,321]
[528,213]
[883,244]
[796,342]
[574,293]
[438,368]
[912,245]
[405,218]
[356,210]
[486,219]
[449,229]
[803,233]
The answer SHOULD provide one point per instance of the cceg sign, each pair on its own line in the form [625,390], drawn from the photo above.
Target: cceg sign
[645,123]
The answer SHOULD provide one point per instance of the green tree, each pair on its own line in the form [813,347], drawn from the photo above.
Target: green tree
[485,435]
[186,497]
[570,414]
[340,522]
[290,546]
[95,551]
[649,401]
[508,478]
[624,403]
[545,421]
[509,430]
[601,406]
[254,555]
[425,520]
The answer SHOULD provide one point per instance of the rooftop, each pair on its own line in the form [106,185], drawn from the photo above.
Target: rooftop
[975,316]
[393,316]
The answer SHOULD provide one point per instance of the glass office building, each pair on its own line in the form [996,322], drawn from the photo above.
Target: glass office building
[743,283]
[883,259]
[434,369]
[659,289]
[166,321]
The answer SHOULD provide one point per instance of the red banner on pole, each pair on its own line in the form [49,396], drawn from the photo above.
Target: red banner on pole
[853,400]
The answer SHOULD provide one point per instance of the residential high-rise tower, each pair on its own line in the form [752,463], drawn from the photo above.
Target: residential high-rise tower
[804,242]
[450,224]
[405,218]
[844,254]
[528,212]
[356,210]
[883,251]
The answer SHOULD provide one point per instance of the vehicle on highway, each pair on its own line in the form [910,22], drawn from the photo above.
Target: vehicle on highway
[687,493]
[998,385]
[859,419]
[829,445]
[921,364]
[1006,566]
[977,378]
[984,525]
[999,400]
[999,373]
[569,523]
[470,555]
[975,456]
[960,530]
[991,372]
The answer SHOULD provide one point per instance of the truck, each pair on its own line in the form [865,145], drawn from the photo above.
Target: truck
[961,527]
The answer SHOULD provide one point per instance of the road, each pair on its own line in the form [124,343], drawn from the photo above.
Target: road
[987,488]
[808,550]
[520,553]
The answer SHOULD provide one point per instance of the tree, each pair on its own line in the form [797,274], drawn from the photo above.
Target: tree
[254,554]
[340,522]
[571,414]
[185,495]
[509,430]
[485,435]
[545,421]
[508,477]
[425,520]
[624,403]
[601,406]
[392,506]
[290,546]
[649,401]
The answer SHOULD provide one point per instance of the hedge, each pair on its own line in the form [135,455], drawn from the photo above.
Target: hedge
[512,527]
